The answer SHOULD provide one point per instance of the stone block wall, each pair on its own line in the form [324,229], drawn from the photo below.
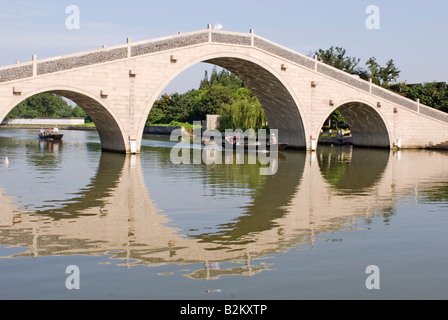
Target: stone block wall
[81,61]
[15,73]
[168,44]
[284,53]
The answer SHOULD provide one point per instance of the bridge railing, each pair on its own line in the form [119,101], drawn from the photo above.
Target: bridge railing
[181,40]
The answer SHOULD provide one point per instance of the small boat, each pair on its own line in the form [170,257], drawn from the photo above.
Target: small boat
[50,135]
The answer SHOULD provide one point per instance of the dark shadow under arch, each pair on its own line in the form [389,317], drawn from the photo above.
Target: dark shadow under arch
[366,125]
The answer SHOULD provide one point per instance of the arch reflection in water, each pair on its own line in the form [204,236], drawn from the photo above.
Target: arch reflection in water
[352,170]
[115,215]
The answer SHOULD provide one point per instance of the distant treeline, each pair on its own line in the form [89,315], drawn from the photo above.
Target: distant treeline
[47,105]
[432,94]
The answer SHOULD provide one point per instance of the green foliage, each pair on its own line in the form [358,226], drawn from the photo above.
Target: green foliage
[433,94]
[245,112]
[382,76]
[335,56]
[46,105]
[212,101]
[223,93]
[188,126]
[335,167]
[337,120]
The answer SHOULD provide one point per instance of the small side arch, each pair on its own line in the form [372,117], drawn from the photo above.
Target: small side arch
[109,128]
[368,127]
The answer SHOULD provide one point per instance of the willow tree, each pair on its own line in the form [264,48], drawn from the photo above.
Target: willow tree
[244,112]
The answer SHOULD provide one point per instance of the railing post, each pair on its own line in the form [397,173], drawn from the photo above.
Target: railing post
[128,41]
[418,105]
[252,42]
[370,85]
[209,27]
[315,62]
[34,65]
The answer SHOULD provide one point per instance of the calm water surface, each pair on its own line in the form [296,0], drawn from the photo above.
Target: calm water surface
[141,227]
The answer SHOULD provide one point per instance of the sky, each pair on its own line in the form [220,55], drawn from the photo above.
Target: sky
[412,33]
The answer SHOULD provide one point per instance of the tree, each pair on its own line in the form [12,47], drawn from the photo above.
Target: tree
[212,101]
[382,76]
[433,94]
[45,105]
[335,56]
[204,83]
[79,112]
[160,110]
[244,112]
[214,78]
[336,120]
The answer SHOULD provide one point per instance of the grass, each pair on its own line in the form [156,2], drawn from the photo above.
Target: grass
[186,125]
[88,125]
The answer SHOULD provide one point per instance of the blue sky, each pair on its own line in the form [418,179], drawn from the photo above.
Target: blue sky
[412,33]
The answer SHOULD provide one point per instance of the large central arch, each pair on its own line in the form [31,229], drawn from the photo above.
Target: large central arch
[281,107]
[107,124]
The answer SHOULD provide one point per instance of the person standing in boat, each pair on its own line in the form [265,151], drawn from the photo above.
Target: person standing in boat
[229,140]
[273,139]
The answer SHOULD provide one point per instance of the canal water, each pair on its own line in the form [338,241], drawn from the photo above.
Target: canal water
[338,223]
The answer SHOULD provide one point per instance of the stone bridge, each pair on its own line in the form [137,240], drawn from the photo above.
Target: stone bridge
[118,85]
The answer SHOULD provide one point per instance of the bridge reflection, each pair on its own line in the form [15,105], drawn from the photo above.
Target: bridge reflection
[311,194]
[352,170]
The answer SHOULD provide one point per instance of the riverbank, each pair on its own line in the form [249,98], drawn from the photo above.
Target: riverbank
[162,130]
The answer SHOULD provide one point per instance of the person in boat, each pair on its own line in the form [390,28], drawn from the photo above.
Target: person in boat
[273,139]
[229,140]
